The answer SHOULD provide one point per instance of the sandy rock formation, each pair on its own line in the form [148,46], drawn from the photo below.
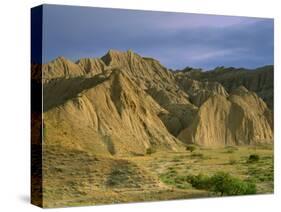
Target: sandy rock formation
[240,119]
[123,104]
[112,116]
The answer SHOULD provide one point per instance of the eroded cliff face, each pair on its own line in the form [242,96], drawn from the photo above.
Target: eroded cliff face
[240,119]
[259,80]
[60,68]
[199,91]
[110,115]
[123,103]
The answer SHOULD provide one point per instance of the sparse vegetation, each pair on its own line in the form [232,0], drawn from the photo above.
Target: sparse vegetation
[176,159]
[230,149]
[197,155]
[232,161]
[172,178]
[123,175]
[150,150]
[185,175]
[191,148]
[261,170]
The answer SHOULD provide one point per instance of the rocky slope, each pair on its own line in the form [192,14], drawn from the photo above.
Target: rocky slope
[106,114]
[61,68]
[241,118]
[123,103]
[259,80]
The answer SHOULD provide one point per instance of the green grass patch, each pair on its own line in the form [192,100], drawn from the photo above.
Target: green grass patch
[172,178]
[261,174]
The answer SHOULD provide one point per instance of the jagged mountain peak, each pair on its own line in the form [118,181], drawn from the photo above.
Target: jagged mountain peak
[119,52]
[92,66]
[62,60]
[114,57]
[61,67]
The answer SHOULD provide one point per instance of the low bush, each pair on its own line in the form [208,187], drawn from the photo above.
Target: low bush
[253,158]
[199,181]
[171,178]
[222,183]
[190,148]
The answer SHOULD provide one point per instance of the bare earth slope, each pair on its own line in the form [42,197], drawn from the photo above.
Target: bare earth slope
[107,114]
[259,80]
[241,118]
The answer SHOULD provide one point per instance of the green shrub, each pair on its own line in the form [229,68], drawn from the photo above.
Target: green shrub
[199,181]
[171,178]
[253,158]
[167,179]
[190,148]
[222,183]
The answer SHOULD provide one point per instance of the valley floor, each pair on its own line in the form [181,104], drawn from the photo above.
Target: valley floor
[72,177]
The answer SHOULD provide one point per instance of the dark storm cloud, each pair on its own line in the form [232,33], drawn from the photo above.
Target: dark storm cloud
[176,39]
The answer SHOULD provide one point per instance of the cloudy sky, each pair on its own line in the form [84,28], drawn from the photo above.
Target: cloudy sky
[177,40]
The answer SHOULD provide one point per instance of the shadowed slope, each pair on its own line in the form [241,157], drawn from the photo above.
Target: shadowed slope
[58,91]
[111,117]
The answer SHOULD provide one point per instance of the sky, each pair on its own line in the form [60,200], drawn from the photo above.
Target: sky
[177,40]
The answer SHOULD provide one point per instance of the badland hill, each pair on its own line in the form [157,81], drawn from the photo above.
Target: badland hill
[123,103]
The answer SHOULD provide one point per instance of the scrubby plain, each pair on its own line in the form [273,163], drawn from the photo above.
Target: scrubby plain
[78,178]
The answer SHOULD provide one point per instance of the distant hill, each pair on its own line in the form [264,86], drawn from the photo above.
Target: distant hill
[259,80]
